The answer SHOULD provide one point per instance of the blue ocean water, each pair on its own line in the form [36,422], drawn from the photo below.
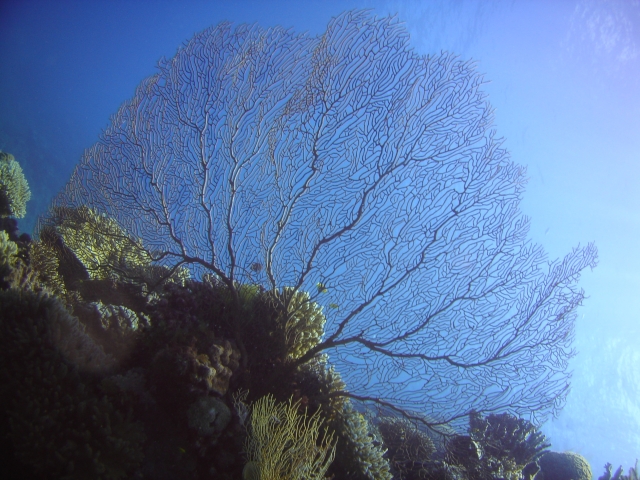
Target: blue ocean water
[562,77]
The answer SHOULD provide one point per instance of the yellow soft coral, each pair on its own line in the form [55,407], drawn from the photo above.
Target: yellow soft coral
[283,444]
[14,190]
[102,246]
[303,323]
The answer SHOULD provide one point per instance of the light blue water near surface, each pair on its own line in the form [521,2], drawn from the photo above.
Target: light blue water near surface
[564,80]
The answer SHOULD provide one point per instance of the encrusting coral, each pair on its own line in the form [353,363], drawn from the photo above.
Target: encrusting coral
[182,373]
[14,190]
[208,416]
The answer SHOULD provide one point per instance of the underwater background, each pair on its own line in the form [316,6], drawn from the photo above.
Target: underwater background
[563,77]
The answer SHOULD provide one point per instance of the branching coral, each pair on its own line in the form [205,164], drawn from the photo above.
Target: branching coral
[14,270]
[407,447]
[14,190]
[365,450]
[90,246]
[46,265]
[507,444]
[283,444]
[498,446]
[360,454]
[98,242]
[8,255]
[301,325]
[634,473]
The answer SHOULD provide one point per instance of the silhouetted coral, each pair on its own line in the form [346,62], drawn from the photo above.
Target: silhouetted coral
[563,466]
[634,473]
[507,444]
[60,423]
[498,446]
[407,447]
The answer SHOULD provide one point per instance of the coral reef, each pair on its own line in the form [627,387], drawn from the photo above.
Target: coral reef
[116,327]
[60,423]
[14,190]
[105,250]
[499,446]
[8,255]
[181,373]
[563,466]
[364,452]
[46,265]
[115,367]
[360,453]
[96,256]
[15,271]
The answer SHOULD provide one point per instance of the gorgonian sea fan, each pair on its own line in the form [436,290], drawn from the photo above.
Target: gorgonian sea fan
[348,166]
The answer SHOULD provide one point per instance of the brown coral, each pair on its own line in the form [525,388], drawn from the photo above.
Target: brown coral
[182,372]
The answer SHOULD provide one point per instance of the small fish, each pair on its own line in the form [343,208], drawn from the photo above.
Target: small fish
[182,450]
[333,305]
[256,267]
[321,288]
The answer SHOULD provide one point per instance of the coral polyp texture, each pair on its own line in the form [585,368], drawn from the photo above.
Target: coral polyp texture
[564,466]
[301,323]
[14,190]
[408,449]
